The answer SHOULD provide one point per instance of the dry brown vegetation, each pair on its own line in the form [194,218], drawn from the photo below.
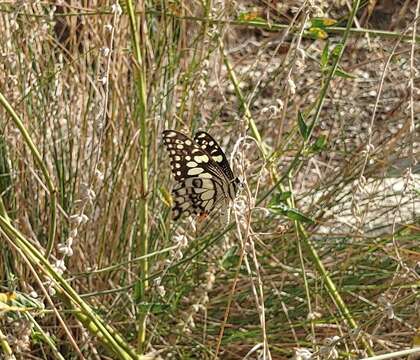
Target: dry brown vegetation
[320,257]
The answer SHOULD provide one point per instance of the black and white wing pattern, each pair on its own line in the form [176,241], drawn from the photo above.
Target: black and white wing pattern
[211,147]
[204,179]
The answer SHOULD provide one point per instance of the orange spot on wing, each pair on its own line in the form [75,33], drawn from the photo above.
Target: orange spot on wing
[203,216]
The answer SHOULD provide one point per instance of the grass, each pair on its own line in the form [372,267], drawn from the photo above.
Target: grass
[320,255]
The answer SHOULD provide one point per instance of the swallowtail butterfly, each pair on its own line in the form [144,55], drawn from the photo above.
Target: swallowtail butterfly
[203,174]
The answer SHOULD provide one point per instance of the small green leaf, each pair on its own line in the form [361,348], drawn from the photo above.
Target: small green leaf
[303,128]
[230,258]
[277,206]
[165,196]
[250,16]
[337,49]
[322,23]
[325,55]
[344,74]
[159,308]
[289,212]
[39,338]
[24,300]
[279,198]
[319,143]
[284,196]
[316,33]
[295,214]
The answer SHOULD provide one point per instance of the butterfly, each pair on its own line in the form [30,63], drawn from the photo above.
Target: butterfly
[203,174]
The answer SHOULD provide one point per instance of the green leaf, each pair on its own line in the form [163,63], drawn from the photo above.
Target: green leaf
[39,338]
[230,258]
[279,198]
[319,143]
[344,74]
[337,49]
[316,33]
[303,128]
[325,55]
[165,196]
[24,300]
[322,23]
[250,16]
[295,214]
[291,213]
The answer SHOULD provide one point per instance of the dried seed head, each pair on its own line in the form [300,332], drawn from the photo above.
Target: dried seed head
[116,9]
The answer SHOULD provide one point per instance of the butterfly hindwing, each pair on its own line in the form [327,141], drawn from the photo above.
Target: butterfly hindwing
[196,196]
[208,144]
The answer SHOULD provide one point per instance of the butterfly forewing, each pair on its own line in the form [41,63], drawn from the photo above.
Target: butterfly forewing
[201,170]
[208,144]
[187,158]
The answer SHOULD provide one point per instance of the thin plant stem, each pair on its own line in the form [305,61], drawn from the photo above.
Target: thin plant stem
[251,23]
[43,167]
[140,80]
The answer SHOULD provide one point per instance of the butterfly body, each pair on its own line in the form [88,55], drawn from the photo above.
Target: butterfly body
[203,174]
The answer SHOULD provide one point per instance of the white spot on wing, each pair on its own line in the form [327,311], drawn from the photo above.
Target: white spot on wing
[200,190]
[195,171]
[180,146]
[201,158]
[191,164]
[207,184]
[205,175]
[188,142]
[207,195]
[170,134]
[209,204]
[218,158]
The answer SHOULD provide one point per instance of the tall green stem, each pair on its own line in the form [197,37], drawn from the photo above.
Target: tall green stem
[41,164]
[141,118]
